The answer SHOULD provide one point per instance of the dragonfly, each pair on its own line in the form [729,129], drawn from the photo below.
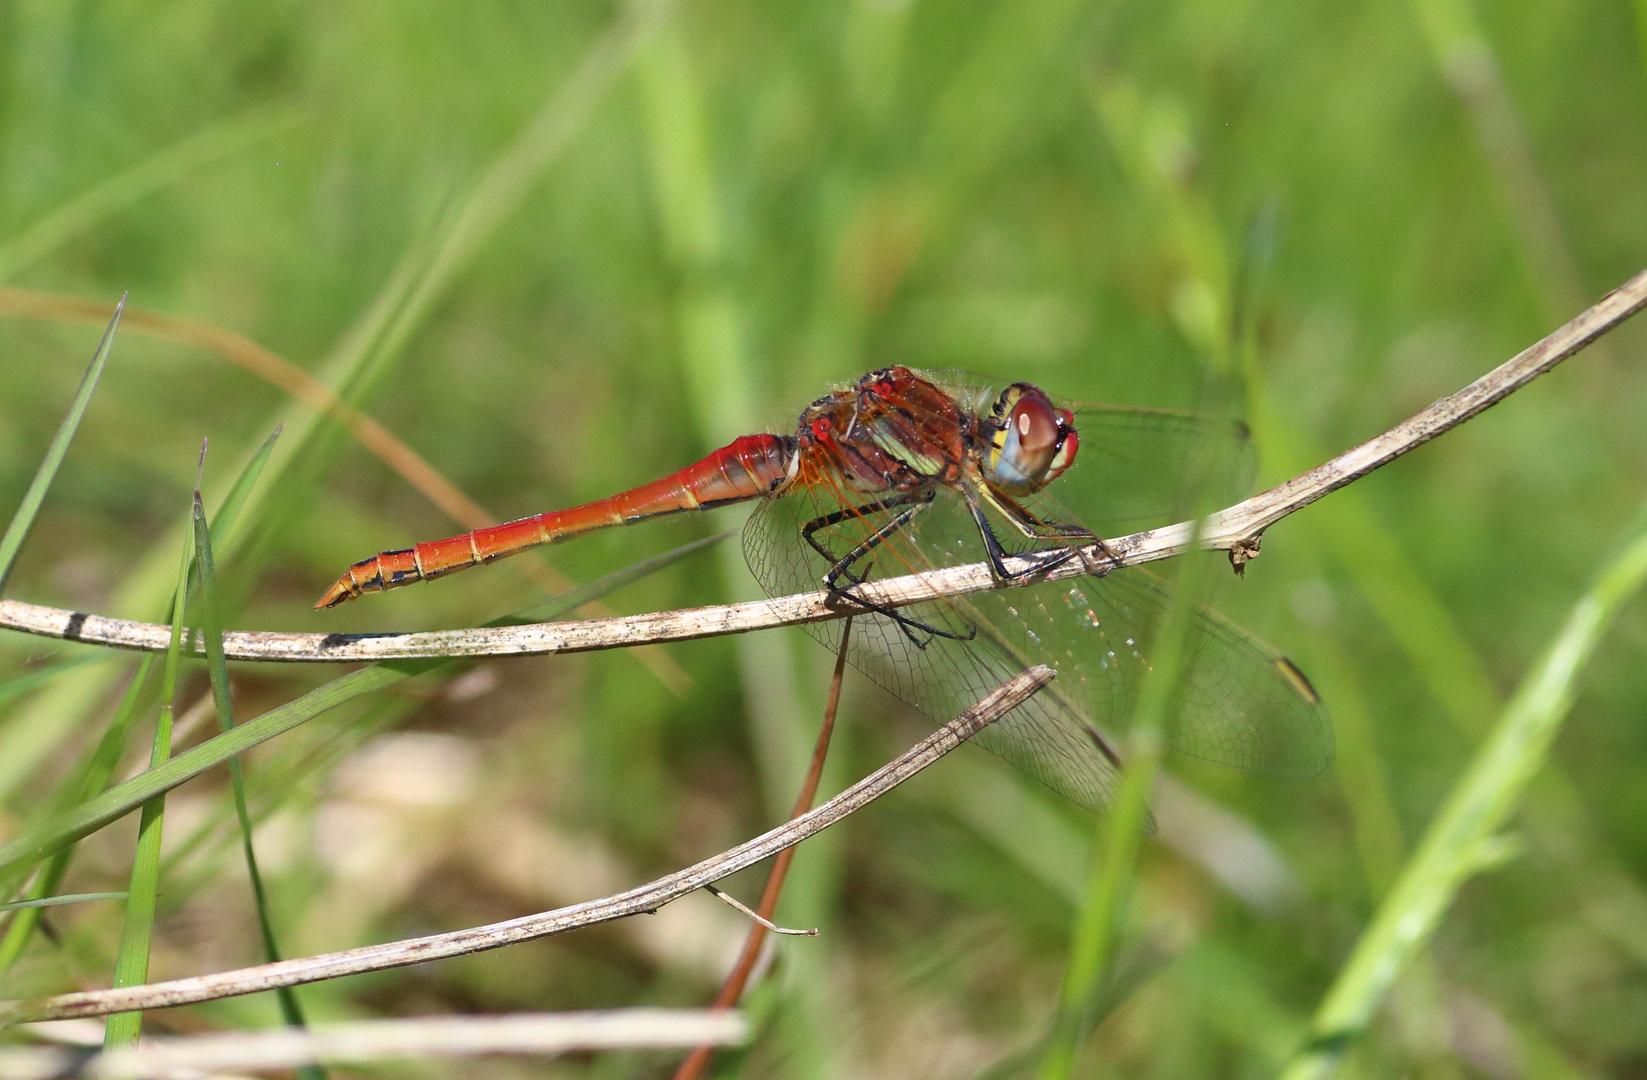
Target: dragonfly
[911,471]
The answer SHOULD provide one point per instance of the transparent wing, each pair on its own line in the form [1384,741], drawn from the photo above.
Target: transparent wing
[1133,463]
[1133,466]
[1241,704]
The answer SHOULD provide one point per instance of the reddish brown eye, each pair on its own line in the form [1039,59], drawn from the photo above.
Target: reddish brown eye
[1033,443]
[1034,425]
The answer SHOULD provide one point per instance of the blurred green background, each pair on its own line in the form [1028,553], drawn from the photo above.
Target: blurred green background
[560,249]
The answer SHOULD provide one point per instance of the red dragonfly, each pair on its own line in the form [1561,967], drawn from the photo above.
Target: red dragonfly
[922,470]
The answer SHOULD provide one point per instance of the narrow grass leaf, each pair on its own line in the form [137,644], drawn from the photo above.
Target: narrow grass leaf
[93,778]
[211,621]
[426,270]
[94,813]
[23,521]
[1460,841]
[227,514]
[59,901]
[1099,924]
[131,965]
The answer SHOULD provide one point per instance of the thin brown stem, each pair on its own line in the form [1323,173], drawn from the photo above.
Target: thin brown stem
[732,989]
[642,900]
[1236,529]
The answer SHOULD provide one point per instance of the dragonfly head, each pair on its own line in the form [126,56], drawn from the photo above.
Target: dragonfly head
[1030,441]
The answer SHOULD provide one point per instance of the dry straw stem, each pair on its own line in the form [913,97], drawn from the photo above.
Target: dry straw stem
[642,900]
[377,1040]
[1236,529]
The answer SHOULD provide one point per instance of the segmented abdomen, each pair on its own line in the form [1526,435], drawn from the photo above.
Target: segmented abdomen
[747,468]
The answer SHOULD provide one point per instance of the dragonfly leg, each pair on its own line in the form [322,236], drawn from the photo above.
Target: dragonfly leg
[841,567]
[1047,559]
[851,513]
[1076,539]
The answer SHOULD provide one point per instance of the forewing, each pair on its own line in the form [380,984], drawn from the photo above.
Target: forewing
[1241,703]
[1134,467]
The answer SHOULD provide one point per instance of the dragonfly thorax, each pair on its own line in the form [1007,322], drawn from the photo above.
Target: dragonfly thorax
[892,431]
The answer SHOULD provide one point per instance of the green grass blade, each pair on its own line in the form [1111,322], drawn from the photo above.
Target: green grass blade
[1102,917]
[131,965]
[93,778]
[211,620]
[510,177]
[1462,838]
[1090,979]
[229,513]
[94,813]
[23,521]
[368,353]
[58,901]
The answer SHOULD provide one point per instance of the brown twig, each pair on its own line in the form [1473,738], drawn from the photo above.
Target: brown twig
[644,899]
[736,979]
[1236,529]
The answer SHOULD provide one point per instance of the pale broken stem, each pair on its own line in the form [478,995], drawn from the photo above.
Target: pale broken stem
[739,905]
[379,1040]
[642,900]
[1236,529]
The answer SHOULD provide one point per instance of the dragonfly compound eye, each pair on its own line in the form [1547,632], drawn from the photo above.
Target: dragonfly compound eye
[1032,442]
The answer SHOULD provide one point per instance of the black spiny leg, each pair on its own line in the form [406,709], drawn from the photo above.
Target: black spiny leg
[838,566]
[1035,528]
[842,566]
[1051,559]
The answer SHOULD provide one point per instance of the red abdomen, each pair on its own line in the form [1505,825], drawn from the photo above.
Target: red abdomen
[747,468]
